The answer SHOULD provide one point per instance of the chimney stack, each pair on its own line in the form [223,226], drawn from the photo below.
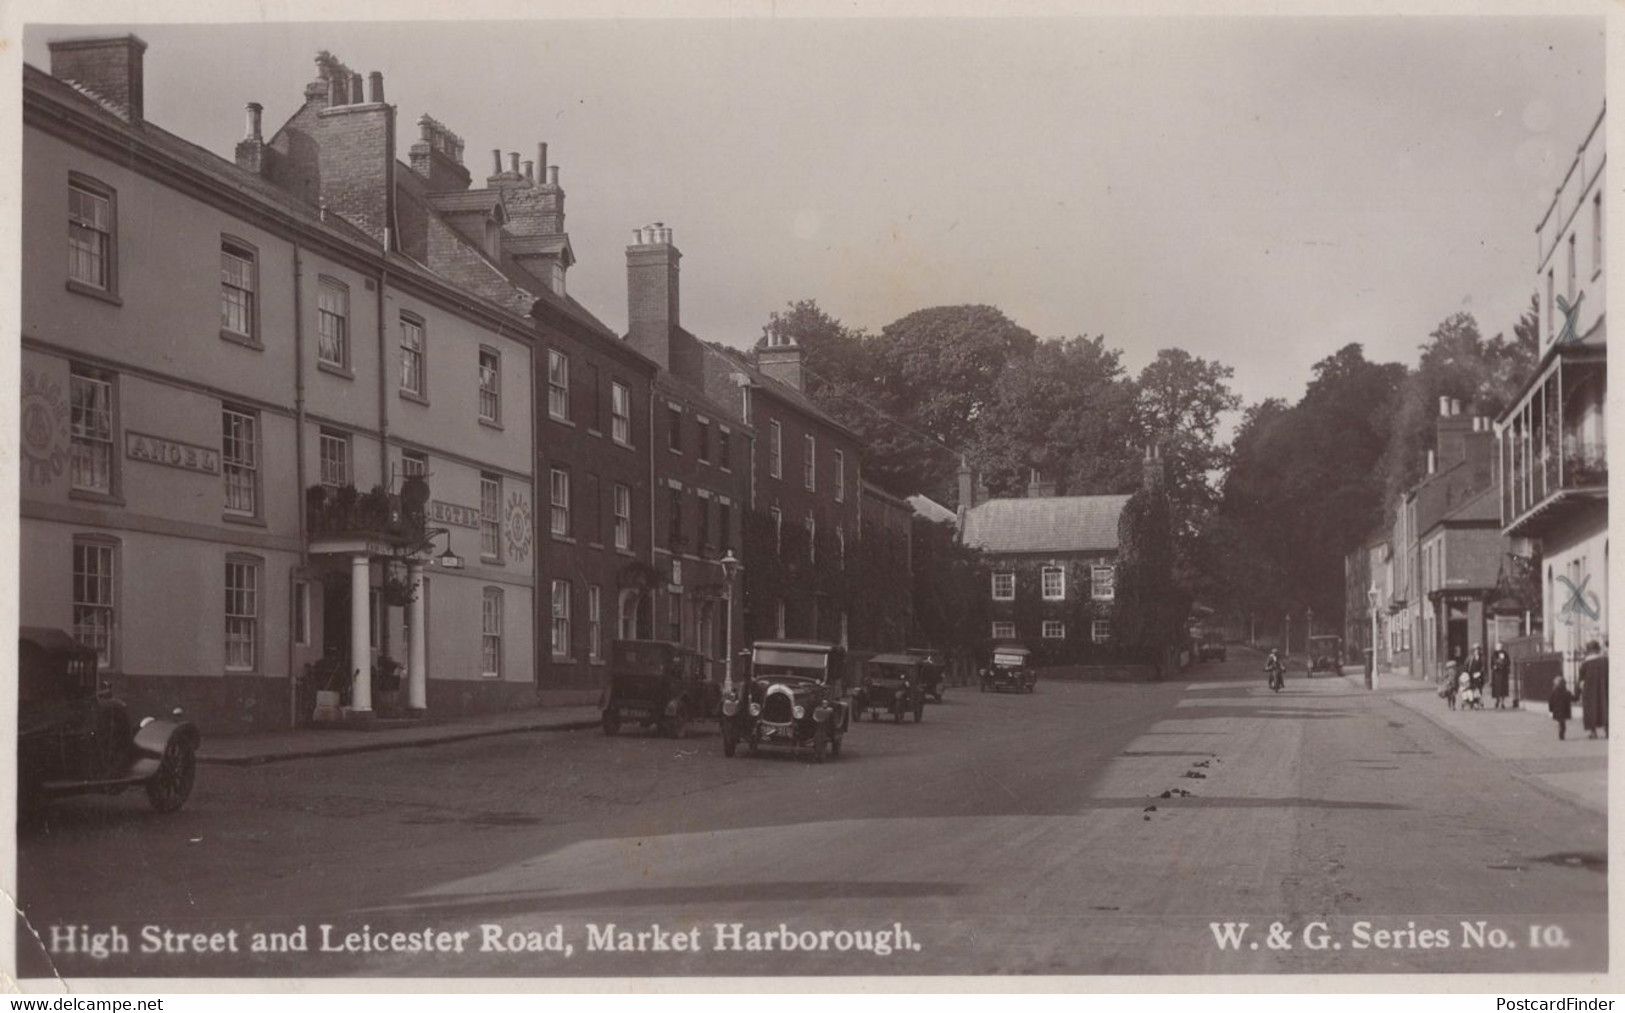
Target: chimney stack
[253,127]
[1152,468]
[1038,487]
[251,149]
[652,293]
[781,360]
[110,66]
[437,156]
[354,149]
[375,87]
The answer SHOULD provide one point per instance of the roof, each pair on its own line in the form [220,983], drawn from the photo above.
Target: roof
[668,382]
[452,202]
[721,362]
[1045,524]
[1484,508]
[931,510]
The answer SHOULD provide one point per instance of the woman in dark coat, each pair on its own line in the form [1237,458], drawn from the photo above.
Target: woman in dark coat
[1500,675]
[1476,673]
[1594,688]
[1561,704]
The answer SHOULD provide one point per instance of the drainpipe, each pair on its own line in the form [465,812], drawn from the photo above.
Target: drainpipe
[383,367]
[298,470]
[651,443]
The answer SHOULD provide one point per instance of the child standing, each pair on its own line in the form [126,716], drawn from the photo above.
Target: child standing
[1561,704]
[1467,690]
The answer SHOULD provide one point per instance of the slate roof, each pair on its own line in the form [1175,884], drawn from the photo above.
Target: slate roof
[1045,524]
[1484,508]
[452,202]
[721,362]
[931,510]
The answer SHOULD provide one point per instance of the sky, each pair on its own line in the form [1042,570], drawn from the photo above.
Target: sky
[1260,191]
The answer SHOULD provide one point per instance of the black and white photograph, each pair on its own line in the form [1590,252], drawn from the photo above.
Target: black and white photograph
[799,493]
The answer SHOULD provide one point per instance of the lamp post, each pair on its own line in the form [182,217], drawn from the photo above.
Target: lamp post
[730,567]
[1371,669]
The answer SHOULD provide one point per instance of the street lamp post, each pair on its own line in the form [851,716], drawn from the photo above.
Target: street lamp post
[730,567]
[1371,669]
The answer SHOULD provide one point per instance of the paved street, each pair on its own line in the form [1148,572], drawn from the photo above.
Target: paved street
[1005,834]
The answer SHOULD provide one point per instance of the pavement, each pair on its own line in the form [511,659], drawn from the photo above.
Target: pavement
[1090,828]
[307,743]
[1575,768]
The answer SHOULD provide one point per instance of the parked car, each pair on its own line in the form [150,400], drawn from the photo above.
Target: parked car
[795,696]
[658,684]
[1212,648]
[1325,654]
[74,738]
[1010,669]
[933,670]
[893,683]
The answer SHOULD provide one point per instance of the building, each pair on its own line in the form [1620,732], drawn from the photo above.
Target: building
[885,620]
[1552,440]
[265,396]
[1051,568]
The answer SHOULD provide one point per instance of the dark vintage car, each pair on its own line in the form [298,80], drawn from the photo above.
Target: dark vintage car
[1211,647]
[659,684]
[73,738]
[795,696]
[933,670]
[1325,654]
[893,683]
[1009,668]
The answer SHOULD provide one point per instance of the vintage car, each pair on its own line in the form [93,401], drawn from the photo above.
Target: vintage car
[933,670]
[1211,647]
[893,683]
[794,695]
[1009,669]
[1325,654]
[73,738]
[658,684]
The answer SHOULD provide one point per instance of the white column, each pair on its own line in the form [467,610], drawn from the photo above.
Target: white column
[417,654]
[360,633]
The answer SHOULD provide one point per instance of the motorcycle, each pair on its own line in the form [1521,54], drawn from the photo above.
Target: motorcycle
[1277,677]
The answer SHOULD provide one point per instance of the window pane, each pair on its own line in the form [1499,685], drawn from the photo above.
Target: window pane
[91,426]
[236,290]
[490,517]
[411,356]
[490,386]
[239,459]
[242,615]
[93,598]
[90,224]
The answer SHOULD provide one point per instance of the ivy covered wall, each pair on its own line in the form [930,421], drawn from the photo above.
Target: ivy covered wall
[1077,610]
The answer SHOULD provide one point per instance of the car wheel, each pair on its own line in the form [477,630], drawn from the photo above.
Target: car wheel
[612,722]
[820,743]
[730,738]
[172,785]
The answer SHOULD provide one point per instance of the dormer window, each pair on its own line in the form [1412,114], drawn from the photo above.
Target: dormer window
[493,238]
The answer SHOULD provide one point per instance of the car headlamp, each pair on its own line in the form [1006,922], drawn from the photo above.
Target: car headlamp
[799,711]
[755,709]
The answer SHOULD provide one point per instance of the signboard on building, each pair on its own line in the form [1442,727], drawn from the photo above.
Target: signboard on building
[453,513]
[172,453]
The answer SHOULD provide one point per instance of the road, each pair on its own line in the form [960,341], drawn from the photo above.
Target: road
[1041,834]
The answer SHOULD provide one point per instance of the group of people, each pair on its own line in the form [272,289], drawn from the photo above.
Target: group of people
[1464,684]
[1592,692]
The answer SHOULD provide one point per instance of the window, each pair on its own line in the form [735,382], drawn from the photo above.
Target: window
[1101,631]
[491,633]
[301,614]
[237,285]
[595,510]
[414,464]
[242,615]
[775,449]
[595,622]
[561,502]
[809,462]
[1054,630]
[1004,586]
[674,429]
[1102,583]
[674,518]
[90,416]
[724,460]
[490,386]
[627,618]
[558,384]
[1004,631]
[812,537]
[778,529]
[779,617]
[1054,583]
[623,516]
[491,517]
[840,476]
[620,407]
[333,323]
[703,540]
[335,458]
[705,440]
[561,619]
[725,526]
[593,388]
[1596,234]
[412,361]
[240,461]
[93,602]
[91,234]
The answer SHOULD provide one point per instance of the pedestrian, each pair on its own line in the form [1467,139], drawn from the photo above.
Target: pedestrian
[1448,684]
[1561,704]
[1476,673]
[1467,693]
[1594,689]
[1500,675]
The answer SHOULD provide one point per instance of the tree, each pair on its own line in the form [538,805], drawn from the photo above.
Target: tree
[950,611]
[1151,605]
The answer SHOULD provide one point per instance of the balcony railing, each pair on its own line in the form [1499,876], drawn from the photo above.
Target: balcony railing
[1552,446]
[342,512]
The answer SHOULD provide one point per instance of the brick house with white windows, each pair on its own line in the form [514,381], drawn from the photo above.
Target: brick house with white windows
[1050,567]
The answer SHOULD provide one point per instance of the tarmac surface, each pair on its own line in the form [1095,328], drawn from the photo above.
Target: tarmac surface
[1083,829]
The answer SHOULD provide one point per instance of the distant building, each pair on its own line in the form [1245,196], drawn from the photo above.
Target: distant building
[1552,441]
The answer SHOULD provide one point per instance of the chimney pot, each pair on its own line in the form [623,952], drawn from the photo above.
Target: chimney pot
[254,111]
[513,162]
[552,175]
[541,155]
[356,96]
[530,171]
[375,86]
[496,161]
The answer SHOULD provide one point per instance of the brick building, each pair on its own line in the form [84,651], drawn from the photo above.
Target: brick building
[885,622]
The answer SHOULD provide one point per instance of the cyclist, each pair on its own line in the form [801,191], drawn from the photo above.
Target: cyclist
[1275,670]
